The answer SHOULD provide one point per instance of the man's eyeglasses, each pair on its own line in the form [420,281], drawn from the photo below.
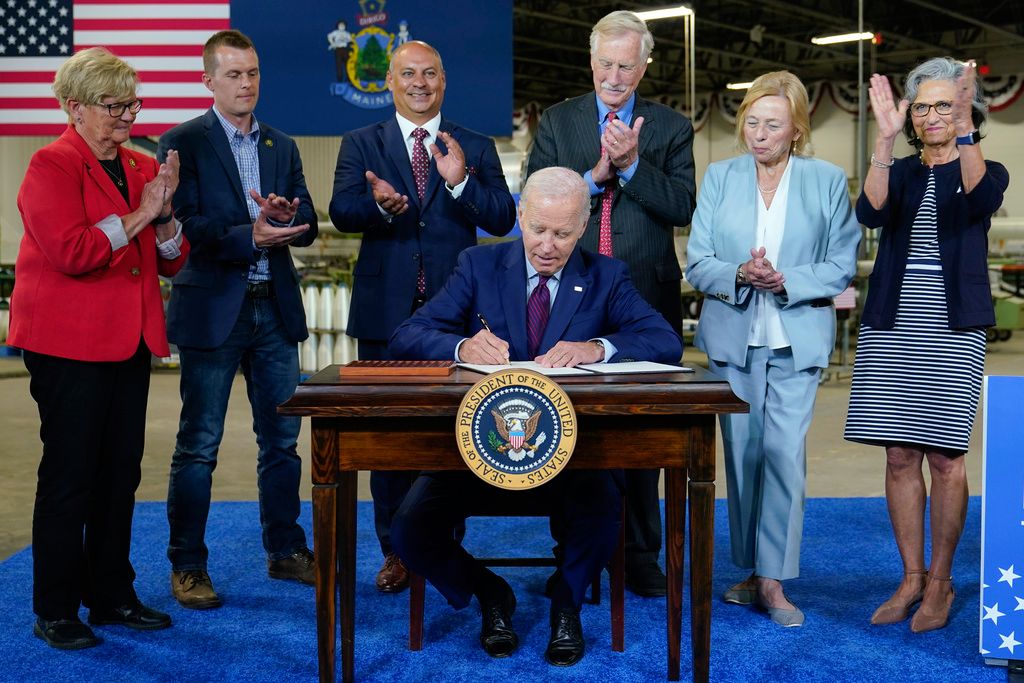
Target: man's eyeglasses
[118,109]
[920,109]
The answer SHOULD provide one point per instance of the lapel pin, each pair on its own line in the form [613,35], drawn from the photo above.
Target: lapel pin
[577,288]
[268,142]
[131,161]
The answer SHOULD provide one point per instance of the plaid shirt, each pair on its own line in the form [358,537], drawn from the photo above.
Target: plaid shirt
[244,149]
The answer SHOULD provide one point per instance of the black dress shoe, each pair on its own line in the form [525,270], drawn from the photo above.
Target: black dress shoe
[133,615]
[65,634]
[646,580]
[566,646]
[496,635]
[298,566]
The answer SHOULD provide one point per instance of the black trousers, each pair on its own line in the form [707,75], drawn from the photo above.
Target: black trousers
[93,423]
[588,504]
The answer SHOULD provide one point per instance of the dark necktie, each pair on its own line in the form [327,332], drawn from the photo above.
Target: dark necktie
[420,170]
[604,237]
[537,310]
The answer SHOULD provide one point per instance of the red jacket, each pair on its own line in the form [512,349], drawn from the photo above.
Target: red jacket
[73,297]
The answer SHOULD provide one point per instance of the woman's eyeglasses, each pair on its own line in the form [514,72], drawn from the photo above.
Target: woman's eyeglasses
[920,109]
[118,109]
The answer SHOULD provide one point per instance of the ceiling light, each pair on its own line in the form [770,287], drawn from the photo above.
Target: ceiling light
[739,86]
[843,38]
[665,13]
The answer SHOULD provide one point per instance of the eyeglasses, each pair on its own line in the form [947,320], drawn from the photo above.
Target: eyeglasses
[118,109]
[920,109]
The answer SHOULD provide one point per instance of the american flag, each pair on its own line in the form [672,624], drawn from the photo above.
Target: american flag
[162,40]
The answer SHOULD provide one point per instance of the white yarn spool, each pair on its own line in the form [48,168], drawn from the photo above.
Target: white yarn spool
[311,302]
[326,317]
[325,354]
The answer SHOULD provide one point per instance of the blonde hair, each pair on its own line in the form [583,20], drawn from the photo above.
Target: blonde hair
[784,84]
[92,74]
[619,23]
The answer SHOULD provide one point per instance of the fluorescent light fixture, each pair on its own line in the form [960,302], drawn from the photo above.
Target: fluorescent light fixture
[665,13]
[843,38]
[739,86]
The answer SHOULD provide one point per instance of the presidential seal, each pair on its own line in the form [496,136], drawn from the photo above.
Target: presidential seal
[516,429]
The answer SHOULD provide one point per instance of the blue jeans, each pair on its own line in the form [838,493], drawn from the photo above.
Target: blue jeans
[270,364]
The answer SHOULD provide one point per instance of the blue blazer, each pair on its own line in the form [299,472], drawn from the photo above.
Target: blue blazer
[208,292]
[963,223]
[818,257]
[384,278]
[595,299]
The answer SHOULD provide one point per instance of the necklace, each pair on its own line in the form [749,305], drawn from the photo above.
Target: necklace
[118,177]
[764,191]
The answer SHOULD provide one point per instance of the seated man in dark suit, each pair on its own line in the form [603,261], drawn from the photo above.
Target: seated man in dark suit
[547,300]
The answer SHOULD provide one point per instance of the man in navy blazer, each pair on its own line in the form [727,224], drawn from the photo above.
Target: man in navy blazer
[416,186]
[242,200]
[596,315]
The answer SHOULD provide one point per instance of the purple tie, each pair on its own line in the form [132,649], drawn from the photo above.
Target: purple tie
[420,169]
[537,315]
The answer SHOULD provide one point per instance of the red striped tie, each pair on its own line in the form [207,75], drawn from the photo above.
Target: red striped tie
[420,171]
[604,239]
[537,315]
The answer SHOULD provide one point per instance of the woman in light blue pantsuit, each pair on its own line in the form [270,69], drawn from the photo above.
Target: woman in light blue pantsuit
[774,238]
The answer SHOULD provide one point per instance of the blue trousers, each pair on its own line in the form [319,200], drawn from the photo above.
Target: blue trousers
[424,531]
[766,459]
[270,365]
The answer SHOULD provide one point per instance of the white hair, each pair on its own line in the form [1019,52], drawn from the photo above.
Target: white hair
[619,23]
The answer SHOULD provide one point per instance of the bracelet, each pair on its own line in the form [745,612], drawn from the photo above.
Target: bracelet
[163,219]
[881,164]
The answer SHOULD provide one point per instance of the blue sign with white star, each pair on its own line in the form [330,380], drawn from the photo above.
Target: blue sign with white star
[1002,521]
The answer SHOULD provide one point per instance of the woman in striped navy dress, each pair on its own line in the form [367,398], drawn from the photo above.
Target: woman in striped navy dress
[921,348]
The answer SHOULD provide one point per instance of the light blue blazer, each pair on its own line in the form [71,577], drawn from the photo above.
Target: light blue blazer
[818,257]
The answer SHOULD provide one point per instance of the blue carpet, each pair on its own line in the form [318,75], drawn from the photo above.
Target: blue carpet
[266,629]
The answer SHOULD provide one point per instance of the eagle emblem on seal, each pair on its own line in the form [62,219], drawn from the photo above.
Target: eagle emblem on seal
[516,423]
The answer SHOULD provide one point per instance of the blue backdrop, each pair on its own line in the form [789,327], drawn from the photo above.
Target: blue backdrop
[302,95]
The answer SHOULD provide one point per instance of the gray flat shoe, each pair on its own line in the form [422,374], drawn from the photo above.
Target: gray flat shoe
[740,596]
[787,618]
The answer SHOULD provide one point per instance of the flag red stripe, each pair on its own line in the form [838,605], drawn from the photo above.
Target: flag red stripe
[181,24]
[144,76]
[149,50]
[139,129]
[149,102]
[143,2]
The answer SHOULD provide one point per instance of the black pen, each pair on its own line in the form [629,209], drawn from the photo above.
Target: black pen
[483,321]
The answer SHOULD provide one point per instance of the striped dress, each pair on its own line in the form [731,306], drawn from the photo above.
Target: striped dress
[918,383]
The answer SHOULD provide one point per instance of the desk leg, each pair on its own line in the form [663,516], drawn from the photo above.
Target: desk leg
[675,533]
[347,568]
[325,519]
[702,517]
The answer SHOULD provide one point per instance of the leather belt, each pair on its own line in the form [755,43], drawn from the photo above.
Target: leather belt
[260,290]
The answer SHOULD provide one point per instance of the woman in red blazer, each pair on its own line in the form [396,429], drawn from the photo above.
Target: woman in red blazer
[87,312]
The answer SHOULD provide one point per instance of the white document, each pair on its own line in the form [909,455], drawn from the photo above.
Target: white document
[592,368]
[631,368]
[524,365]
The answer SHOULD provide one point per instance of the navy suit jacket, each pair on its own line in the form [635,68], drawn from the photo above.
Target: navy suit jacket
[963,222]
[384,278]
[595,299]
[208,292]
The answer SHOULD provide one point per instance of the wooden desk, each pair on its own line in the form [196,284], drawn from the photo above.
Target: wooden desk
[408,423]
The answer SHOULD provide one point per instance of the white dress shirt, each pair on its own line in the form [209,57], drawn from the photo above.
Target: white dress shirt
[767,329]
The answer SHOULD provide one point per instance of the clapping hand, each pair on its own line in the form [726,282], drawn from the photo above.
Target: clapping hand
[889,117]
[276,207]
[761,274]
[621,142]
[384,194]
[963,100]
[451,166]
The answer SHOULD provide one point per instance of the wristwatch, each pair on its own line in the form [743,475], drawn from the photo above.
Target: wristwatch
[600,345]
[971,138]
[741,276]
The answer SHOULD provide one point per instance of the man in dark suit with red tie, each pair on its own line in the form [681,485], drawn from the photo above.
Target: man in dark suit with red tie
[416,186]
[547,300]
[637,158]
